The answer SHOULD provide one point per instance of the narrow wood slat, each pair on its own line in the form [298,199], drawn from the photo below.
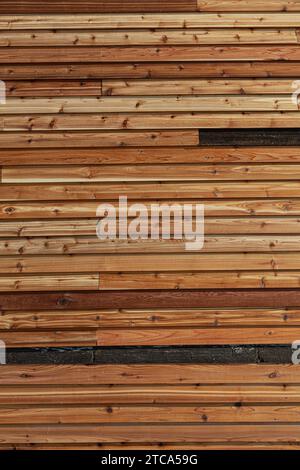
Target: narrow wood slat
[197,87]
[51,210]
[180,336]
[89,245]
[148,104]
[149,374]
[150,155]
[199,298]
[161,120]
[50,339]
[160,446]
[146,37]
[153,433]
[242,279]
[18,395]
[149,263]
[148,20]
[246,5]
[55,88]
[95,6]
[148,53]
[99,139]
[125,318]
[255,227]
[143,70]
[151,337]
[146,172]
[49,282]
[147,414]
[147,191]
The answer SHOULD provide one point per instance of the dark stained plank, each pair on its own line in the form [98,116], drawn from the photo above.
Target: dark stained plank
[152,355]
[250,137]
[273,298]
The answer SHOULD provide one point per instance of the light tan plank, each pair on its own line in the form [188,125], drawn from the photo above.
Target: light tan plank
[135,121]
[197,87]
[195,280]
[47,38]
[110,191]
[149,20]
[148,104]
[149,263]
[49,282]
[277,226]
[45,210]
[99,139]
[164,172]
[88,245]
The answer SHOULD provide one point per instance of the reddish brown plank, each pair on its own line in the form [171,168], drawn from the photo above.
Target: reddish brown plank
[271,298]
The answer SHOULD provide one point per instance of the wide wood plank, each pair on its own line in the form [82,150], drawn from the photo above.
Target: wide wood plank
[143,70]
[149,53]
[50,210]
[183,336]
[199,298]
[175,20]
[162,120]
[198,191]
[92,244]
[17,395]
[148,104]
[197,87]
[142,155]
[256,227]
[145,414]
[144,374]
[153,433]
[124,318]
[151,337]
[146,37]
[146,172]
[99,139]
[148,263]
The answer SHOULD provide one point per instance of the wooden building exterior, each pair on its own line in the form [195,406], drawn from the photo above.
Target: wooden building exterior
[170,101]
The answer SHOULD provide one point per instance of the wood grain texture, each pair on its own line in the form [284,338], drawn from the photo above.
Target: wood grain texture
[149,53]
[149,374]
[213,298]
[177,101]
[148,20]
[246,5]
[95,6]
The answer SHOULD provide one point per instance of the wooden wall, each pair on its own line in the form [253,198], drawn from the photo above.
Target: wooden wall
[174,101]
